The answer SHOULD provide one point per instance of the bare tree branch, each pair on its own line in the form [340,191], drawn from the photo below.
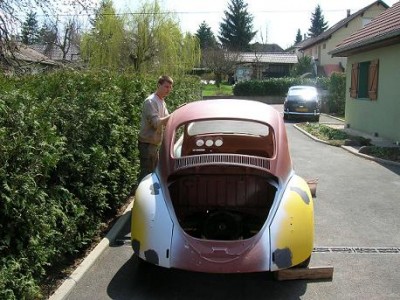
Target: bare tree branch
[12,10]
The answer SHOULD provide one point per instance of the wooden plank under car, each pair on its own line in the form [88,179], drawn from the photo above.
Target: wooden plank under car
[325,272]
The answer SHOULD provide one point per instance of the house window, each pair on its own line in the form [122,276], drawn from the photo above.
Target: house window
[366,21]
[364,80]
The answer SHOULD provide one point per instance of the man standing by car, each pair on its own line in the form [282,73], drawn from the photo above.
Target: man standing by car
[153,119]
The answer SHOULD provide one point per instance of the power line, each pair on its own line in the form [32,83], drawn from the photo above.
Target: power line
[188,12]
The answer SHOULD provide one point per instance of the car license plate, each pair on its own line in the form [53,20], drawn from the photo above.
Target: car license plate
[302,109]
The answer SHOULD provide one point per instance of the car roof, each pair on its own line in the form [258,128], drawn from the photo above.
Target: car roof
[280,164]
[226,108]
[300,89]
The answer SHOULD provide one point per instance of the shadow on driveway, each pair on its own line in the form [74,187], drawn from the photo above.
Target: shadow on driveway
[139,280]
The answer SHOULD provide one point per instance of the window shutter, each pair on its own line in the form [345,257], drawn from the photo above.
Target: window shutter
[373,80]
[354,81]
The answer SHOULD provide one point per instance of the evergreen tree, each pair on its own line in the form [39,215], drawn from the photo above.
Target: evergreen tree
[30,29]
[206,36]
[236,30]
[299,38]
[303,66]
[318,24]
[47,34]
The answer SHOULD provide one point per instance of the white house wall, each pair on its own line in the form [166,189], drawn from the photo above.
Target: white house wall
[380,116]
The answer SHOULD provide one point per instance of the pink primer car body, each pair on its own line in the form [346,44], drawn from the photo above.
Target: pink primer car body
[224,197]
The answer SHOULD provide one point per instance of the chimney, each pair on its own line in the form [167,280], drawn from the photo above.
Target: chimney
[348,13]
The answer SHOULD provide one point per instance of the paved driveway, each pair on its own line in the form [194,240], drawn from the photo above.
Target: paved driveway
[357,224]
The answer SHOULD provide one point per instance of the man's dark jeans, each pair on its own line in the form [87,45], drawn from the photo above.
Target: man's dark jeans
[148,156]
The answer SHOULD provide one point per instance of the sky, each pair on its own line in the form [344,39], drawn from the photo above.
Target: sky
[277,22]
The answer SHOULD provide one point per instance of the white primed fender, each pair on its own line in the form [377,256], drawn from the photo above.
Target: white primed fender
[152,227]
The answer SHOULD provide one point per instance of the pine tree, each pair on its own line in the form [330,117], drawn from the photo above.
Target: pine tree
[236,30]
[299,38]
[303,66]
[318,24]
[206,36]
[30,29]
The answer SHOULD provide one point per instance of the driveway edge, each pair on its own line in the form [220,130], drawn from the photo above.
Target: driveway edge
[66,288]
[350,149]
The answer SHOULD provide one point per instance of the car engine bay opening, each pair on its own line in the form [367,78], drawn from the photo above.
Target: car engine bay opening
[222,202]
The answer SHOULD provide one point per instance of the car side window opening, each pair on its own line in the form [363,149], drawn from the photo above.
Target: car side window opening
[364,80]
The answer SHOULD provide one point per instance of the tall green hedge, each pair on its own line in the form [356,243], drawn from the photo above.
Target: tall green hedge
[276,86]
[337,93]
[335,85]
[68,160]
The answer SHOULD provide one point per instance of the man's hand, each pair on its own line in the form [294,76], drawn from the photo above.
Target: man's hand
[164,120]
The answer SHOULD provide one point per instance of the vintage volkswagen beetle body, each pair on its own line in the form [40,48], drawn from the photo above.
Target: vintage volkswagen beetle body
[224,197]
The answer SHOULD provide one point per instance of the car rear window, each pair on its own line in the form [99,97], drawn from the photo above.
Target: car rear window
[224,136]
[228,126]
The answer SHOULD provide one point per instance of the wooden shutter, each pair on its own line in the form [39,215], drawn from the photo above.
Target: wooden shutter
[354,81]
[373,80]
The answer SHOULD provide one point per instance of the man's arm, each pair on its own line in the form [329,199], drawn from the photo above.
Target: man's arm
[164,120]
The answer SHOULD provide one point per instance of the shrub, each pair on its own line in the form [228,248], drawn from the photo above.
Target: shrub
[275,86]
[68,160]
[337,93]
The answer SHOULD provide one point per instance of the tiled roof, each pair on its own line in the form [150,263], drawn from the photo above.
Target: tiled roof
[385,28]
[55,53]
[25,53]
[263,57]
[326,34]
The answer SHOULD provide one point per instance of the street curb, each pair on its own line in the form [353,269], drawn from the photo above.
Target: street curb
[66,288]
[333,117]
[350,149]
[376,159]
[310,135]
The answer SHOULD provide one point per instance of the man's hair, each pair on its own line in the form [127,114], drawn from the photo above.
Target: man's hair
[163,79]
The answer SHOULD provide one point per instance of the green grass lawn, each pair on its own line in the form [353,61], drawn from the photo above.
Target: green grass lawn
[213,90]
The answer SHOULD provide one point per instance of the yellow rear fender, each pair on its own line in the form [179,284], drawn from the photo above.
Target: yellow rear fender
[292,228]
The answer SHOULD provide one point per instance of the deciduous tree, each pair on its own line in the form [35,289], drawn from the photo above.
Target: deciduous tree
[220,61]
[105,45]
[68,35]
[157,43]
[10,11]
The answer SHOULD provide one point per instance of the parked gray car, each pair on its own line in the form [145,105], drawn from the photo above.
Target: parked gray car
[302,101]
